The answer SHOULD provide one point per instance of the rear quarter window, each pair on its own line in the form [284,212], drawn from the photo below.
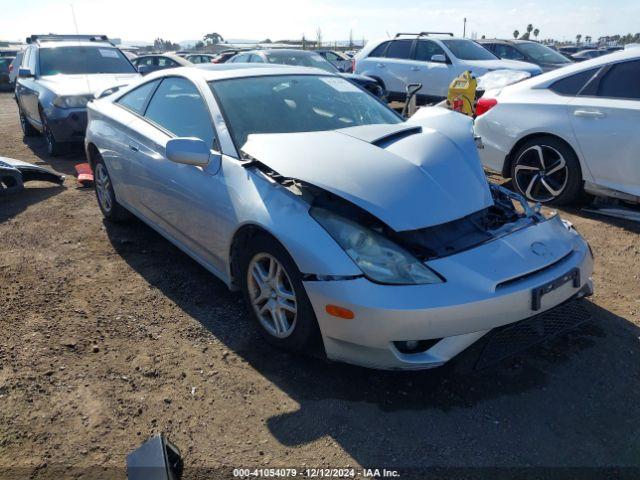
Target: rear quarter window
[573,84]
[379,50]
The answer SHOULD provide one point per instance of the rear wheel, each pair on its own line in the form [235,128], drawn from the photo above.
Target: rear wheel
[107,202]
[546,170]
[272,287]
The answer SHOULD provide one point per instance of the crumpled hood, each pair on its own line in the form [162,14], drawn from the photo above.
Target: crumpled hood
[407,175]
[480,67]
[86,84]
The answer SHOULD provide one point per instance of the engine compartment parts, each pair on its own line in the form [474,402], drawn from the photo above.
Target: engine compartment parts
[14,173]
[461,96]
[85,174]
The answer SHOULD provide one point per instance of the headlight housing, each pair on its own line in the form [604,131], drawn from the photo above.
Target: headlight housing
[71,101]
[380,259]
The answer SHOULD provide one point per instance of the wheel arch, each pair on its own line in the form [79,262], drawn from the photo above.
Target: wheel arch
[92,153]
[240,240]
[506,167]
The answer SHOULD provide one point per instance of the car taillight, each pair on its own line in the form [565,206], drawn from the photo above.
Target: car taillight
[353,65]
[484,105]
[11,68]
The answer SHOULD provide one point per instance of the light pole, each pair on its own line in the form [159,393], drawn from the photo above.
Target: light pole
[464,28]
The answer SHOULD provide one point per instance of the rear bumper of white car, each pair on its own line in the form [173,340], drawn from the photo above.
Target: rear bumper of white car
[385,315]
[495,145]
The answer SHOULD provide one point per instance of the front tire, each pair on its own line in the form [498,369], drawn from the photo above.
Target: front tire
[54,147]
[547,170]
[105,195]
[27,129]
[272,287]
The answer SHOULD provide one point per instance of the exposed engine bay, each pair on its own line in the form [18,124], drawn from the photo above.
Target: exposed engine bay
[509,212]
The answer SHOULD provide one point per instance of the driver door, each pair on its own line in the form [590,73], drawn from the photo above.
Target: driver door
[184,201]
[435,77]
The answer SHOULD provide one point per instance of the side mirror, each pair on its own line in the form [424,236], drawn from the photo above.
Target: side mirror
[439,58]
[25,72]
[143,70]
[189,150]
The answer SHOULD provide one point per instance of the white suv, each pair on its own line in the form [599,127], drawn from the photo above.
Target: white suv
[432,59]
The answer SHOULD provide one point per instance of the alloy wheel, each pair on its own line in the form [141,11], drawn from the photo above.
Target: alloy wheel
[273,298]
[541,173]
[103,187]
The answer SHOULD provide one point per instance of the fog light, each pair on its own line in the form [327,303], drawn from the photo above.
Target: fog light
[415,346]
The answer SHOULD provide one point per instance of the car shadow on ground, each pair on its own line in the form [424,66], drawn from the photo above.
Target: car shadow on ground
[570,401]
[12,205]
[64,163]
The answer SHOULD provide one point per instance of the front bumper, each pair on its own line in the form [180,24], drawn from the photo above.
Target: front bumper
[457,316]
[67,124]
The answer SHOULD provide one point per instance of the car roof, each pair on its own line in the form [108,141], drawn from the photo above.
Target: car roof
[72,43]
[546,79]
[214,71]
[506,41]
[269,51]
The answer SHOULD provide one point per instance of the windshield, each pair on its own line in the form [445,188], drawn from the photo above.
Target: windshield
[296,103]
[542,54]
[468,50]
[74,60]
[302,60]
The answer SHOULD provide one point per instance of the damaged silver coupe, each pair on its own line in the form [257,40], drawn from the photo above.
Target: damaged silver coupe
[348,229]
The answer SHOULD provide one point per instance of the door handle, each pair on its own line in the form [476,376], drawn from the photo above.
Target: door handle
[415,69]
[133,148]
[589,114]
[380,65]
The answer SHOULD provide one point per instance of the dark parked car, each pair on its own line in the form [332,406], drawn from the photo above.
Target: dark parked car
[526,51]
[150,63]
[339,59]
[5,80]
[225,55]
[58,76]
[588,54]
[304,58]
[200,57]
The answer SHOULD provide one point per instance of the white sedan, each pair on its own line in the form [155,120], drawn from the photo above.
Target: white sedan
[571,130]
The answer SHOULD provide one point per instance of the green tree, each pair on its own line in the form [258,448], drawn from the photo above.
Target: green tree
[212,38]
[536,32]
[516,33]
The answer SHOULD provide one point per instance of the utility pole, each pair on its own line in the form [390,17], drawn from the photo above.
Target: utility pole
[464,28]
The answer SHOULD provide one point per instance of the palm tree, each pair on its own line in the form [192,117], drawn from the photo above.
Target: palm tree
[536,32]
[213,38]
[578,37]
[516,33]
[529,28]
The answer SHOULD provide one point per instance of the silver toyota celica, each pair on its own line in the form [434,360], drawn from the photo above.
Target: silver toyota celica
[345,226]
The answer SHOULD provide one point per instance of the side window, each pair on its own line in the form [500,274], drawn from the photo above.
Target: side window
[166,62]
[146,61]
[178,108]
[379,50]
[508,52]
[242,58]
[255,59]
[425,49]
[136,99]
[332,57]
[400,49]
[574,84]
[621,81]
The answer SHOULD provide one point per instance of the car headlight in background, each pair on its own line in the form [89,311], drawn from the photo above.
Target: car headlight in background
[380,259]
[72,101]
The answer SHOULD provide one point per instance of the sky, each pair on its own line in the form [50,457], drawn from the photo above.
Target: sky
[144,20]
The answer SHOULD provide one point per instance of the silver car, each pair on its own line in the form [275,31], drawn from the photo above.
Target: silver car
[347,228]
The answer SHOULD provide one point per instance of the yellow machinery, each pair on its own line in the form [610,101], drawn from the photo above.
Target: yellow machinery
[462,94]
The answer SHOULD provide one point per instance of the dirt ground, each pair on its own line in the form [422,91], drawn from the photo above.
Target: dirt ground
[109,334]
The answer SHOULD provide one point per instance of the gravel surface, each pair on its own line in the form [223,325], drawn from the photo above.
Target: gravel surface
[110,334]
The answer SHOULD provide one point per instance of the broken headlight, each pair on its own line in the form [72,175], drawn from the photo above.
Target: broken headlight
[380,259]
